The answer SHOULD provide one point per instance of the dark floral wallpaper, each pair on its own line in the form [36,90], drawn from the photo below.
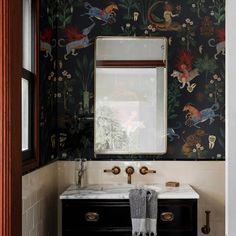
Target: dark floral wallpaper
[196,75]
[48,82]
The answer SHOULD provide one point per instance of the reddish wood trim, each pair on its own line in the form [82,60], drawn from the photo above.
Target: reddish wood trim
[33,163]
[10,117]
[130,63]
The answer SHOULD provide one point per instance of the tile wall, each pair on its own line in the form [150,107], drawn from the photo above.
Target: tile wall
[39,202]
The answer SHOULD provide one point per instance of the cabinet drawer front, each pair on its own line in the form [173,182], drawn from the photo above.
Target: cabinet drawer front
[78,214]
[176,216]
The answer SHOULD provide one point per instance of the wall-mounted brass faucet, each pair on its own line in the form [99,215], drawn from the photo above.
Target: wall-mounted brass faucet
[129,171]
[144,170]
[115,170]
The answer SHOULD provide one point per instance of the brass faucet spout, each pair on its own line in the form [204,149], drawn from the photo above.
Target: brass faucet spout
[129,171]
[129,179]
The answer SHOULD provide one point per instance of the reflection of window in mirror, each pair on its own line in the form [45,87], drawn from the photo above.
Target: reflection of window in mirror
[130,106]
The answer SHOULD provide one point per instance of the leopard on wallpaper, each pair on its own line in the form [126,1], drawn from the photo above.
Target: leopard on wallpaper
[195,30]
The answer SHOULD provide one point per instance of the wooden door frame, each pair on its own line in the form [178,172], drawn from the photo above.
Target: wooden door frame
[10,117]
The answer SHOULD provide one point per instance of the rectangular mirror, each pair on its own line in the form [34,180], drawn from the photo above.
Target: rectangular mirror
[130,95]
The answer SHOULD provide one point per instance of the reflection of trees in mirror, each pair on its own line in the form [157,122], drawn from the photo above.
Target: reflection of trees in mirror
[110,135]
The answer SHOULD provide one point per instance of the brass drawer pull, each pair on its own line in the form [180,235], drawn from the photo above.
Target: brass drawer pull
[92,216]
[167,216]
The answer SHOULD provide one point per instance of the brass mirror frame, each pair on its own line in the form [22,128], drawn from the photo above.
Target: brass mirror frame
[159,63]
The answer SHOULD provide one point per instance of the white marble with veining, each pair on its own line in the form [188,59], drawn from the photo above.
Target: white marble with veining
[121,191]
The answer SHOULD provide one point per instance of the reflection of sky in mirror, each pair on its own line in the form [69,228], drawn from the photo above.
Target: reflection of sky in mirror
[129,84]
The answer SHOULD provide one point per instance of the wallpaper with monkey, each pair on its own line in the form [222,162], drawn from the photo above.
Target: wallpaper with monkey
[196,75]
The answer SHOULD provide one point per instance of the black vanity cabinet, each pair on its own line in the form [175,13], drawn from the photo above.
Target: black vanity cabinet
[112,217]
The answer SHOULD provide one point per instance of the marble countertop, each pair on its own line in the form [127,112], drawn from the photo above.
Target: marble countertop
[121,191]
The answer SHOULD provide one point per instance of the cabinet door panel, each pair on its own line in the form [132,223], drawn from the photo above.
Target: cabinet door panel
[180,233]
[182,217]
[183,220]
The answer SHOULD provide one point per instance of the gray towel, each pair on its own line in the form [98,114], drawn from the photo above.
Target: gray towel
[143,209]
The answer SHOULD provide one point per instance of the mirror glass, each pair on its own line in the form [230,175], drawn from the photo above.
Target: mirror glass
[130,95]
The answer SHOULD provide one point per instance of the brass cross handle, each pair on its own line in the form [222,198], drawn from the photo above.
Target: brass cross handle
[144,170]
[115,170]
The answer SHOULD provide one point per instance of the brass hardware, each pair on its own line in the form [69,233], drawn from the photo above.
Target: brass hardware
[92,216]
[167,216]
[144,170]
[172,184]
[115,170]
[206,228]
[129,171]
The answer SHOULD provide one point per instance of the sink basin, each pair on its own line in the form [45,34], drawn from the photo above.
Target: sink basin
[117,188]
[120,188]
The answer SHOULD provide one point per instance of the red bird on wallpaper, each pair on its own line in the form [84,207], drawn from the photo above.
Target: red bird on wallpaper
[46,35]
[45,42]
[185,72]
[220,33]
[73,33]
[184,65]
[220,46]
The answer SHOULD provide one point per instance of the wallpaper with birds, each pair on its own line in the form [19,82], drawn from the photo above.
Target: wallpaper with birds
[195,30]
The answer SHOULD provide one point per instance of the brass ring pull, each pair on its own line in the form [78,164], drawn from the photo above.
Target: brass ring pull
[92,216]
[167,216]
